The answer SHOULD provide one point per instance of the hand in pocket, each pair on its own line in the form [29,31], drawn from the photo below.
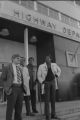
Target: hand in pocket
[8,91]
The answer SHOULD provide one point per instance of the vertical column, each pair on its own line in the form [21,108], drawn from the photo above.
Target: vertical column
[26,44]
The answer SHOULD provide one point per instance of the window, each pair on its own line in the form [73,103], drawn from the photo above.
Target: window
[68,20]
[77,2]
[42,9]
[78,24]
[54,14]
[71,0]
[65,19]
[28,4]
[2,93]
[73,22]
[16,1]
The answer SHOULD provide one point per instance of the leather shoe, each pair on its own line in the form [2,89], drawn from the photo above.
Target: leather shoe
[47,117]
[35,111]
[54,117]
[29,114]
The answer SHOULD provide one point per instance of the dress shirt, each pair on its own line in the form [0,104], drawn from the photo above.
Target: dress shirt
[15,74]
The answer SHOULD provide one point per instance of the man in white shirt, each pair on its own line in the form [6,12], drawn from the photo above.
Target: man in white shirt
[26,79]
[46,76]
[12,79]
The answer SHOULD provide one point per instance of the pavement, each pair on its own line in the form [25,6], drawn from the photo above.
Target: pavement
[65,111]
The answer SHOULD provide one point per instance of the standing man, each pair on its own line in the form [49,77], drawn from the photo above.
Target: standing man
[13,86]
[32,84]
[46,76]
[26,79]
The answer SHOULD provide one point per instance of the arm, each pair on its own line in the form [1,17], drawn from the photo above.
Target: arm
[56,69]
[4,74]
[26,76]
[57,74]
[39,74]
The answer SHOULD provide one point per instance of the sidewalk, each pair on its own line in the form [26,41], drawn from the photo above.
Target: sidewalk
[36,117]
[64,110]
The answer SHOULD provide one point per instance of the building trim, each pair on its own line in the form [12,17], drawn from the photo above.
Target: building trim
[14,12]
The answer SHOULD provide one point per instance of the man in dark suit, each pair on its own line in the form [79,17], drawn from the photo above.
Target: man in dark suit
[13,86]
[32,84]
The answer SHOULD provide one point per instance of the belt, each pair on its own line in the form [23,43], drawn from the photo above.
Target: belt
[16,85]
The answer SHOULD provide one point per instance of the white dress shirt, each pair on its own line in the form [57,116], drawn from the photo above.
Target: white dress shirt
[15,74]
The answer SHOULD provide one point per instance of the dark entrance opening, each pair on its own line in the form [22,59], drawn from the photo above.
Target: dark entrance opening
[44,46]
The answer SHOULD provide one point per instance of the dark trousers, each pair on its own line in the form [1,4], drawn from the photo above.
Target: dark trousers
[14,101]
[57,95]
[49,97]
[33,99]
[27,104]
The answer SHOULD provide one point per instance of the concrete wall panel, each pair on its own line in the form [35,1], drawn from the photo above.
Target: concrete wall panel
[61,46]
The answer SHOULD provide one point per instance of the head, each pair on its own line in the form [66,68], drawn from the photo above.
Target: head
[48,59]
[22,61]
[31,60]
[16,59]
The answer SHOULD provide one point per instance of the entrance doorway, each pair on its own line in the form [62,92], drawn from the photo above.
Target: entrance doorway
[44,44]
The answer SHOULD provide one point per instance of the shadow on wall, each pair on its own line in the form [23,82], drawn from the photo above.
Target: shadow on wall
[75,87]
[73,90]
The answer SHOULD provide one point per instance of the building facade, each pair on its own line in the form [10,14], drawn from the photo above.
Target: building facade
[38,28]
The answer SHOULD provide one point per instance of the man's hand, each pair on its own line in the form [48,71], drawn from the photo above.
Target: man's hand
[43,82]
[56,76]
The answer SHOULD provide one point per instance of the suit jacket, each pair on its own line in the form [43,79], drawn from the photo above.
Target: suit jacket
[7,78]
[26,79]
[32,76]
[42,73]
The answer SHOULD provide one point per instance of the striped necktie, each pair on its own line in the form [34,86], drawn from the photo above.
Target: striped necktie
[18,74]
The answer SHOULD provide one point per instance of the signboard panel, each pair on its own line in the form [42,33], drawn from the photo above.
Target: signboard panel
[22,15]
[71,59]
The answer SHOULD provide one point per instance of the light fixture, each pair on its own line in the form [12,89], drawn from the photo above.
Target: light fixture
[33,39]
[4,32]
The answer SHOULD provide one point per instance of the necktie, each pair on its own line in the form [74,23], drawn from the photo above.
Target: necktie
[18,74]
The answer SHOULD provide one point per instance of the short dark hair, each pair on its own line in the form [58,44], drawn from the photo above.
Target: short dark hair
[22,59]
[31,58]
[15,56]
